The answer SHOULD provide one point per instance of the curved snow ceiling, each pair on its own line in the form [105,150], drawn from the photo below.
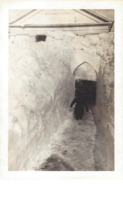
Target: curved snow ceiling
[85,72]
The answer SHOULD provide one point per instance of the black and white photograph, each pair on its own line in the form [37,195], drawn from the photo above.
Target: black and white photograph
[61,90]
[61,94]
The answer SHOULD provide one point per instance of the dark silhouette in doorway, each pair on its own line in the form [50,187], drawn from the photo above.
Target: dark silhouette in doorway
[80,101]
[85,97]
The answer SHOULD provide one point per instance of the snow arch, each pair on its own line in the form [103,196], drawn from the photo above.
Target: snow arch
[80,57]
[85,71]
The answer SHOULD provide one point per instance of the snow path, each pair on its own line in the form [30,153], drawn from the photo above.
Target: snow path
[73,149]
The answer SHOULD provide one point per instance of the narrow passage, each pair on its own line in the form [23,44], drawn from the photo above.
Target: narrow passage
[73,150]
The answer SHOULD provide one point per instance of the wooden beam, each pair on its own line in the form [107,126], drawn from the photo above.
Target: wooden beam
[97,15]
[81,12]
[110,27]
[59,25]
[23,16]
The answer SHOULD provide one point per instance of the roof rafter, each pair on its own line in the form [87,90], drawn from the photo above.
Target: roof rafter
[97,15]
[23,16]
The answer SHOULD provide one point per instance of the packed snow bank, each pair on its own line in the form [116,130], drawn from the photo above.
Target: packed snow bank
[41,87]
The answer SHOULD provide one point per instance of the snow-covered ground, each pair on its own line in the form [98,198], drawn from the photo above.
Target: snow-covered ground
[73,148]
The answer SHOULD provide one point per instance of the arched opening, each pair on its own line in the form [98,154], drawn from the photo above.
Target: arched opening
[85,71]
[85,89]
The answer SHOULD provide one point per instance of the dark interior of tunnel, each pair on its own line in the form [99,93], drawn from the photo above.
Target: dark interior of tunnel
[89,88]
[85,97]
[39,38]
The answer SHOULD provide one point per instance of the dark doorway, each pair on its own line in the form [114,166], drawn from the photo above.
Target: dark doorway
[89,88]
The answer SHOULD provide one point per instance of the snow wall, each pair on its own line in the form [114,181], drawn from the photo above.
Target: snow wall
[103,46]
[104,110]
[41,87]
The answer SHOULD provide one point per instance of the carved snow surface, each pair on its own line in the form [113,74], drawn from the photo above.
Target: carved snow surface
[41,87]
[85,72]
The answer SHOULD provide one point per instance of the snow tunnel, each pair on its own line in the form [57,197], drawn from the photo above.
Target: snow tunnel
[42,80]
[86,78]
